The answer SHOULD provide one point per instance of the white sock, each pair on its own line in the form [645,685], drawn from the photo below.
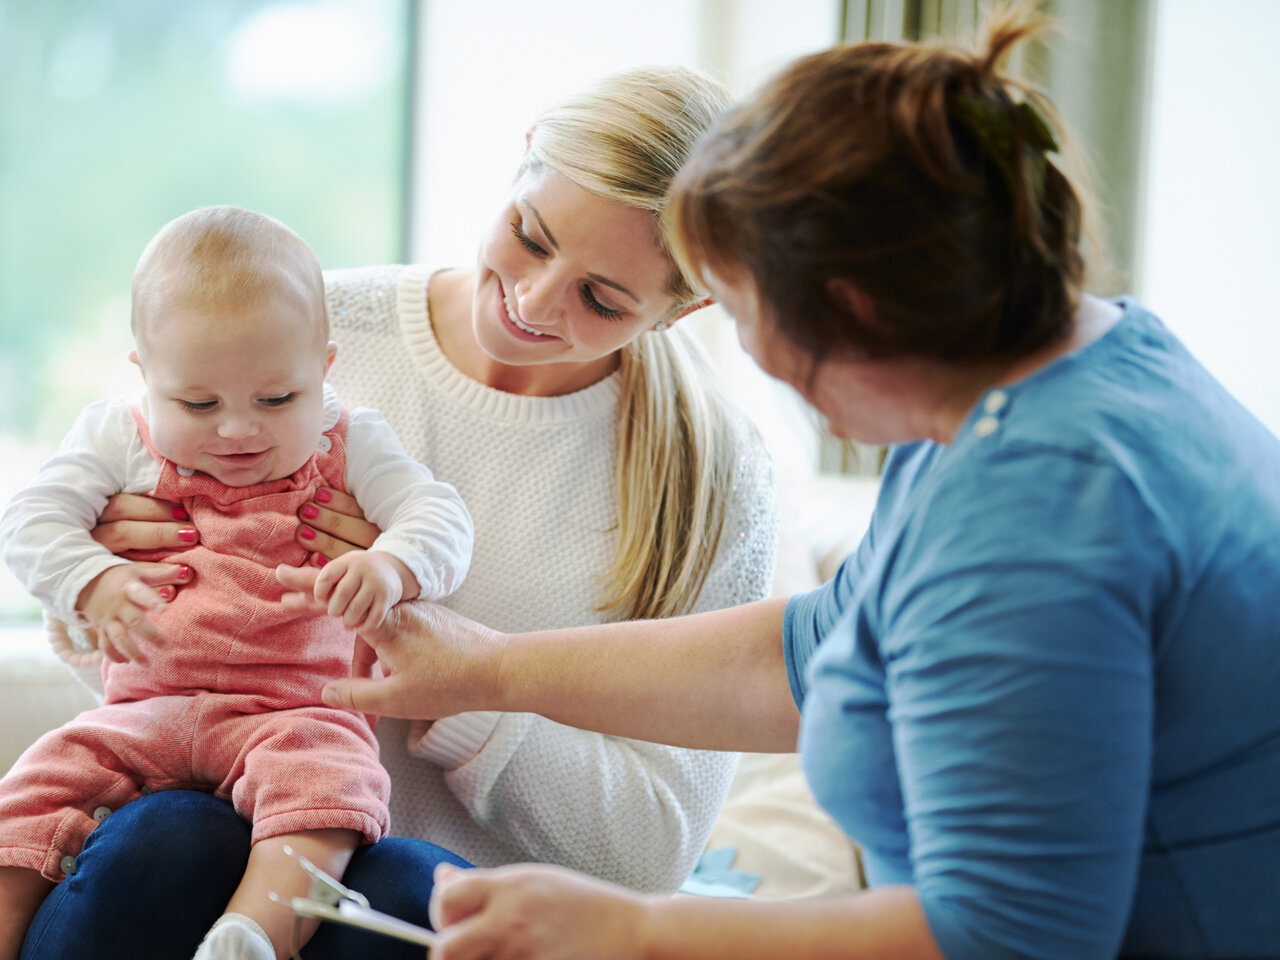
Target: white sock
[235,937]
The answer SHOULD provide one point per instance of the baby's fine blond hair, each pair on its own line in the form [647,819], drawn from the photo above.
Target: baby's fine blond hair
[224,257]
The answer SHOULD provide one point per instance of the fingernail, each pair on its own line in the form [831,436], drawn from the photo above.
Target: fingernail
[180,514]
[321,560]
[187,536]
[184,572]
[310,512]
[324,496]
[166,592]
[306,533]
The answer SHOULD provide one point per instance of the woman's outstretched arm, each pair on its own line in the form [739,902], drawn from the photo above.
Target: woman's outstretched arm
[712,681]
[543,912]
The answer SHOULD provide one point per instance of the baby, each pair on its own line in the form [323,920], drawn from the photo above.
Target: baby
[218,686]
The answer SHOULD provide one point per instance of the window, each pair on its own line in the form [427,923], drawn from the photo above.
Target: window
[117,116]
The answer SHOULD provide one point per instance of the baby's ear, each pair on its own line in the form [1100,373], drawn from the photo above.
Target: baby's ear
[134,359]
[331,351]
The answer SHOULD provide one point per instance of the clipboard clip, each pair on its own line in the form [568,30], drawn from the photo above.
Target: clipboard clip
[330,900]
[325,891]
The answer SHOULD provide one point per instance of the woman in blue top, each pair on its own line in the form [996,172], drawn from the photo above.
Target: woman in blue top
[1042,693]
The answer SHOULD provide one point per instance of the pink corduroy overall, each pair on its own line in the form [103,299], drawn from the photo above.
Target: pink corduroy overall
[230,703]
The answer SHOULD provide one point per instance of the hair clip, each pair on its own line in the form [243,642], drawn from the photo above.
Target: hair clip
[993,126]
[1035,128]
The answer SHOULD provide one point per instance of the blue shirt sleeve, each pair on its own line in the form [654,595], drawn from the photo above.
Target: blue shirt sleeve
[811,616]
[1021,700]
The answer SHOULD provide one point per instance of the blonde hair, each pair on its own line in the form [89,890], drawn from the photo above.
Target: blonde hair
[624,140]
[224,255]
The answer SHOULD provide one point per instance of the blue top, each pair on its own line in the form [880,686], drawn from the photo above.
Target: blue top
[1045,690]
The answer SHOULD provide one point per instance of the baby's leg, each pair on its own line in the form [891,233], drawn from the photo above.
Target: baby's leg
[21,892]
[271,870]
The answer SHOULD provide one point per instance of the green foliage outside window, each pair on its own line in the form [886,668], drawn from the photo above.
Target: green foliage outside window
[117,116]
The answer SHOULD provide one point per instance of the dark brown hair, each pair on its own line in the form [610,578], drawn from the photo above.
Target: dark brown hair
[919,175]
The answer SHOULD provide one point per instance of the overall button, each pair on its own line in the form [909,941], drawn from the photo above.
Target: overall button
[186,472]
[986,426]
[67,865]
[101,813]
[995,401]
[325,444]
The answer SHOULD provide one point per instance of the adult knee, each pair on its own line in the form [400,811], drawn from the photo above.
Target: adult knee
[157,871]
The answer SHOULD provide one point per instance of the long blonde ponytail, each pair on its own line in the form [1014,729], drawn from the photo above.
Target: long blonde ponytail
[676,456]
[624,140]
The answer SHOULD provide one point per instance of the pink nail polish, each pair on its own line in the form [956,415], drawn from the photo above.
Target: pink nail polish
[306,533]
[184,572]
[166,593]
[310,512]
[180,514]
[187,536]
[321,560]
[324,496]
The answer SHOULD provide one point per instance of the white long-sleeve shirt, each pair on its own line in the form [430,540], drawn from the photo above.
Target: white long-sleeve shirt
[538,476]
[45,527]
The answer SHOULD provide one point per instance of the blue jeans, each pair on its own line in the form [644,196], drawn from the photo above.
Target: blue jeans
[155,874]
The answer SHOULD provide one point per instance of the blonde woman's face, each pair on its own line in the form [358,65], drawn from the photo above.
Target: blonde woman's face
[566,277]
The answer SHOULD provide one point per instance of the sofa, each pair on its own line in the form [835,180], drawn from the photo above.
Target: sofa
[771,836]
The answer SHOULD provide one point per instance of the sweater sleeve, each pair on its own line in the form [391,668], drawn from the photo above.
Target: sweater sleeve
[424,522]
[45,528]
[643,816]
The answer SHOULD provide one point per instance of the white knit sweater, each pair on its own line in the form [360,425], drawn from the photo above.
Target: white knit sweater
[537,475]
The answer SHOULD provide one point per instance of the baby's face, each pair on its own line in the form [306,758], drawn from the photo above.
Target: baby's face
[239,394]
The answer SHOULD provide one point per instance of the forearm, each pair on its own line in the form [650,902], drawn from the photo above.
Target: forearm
[888,922]
[713,681]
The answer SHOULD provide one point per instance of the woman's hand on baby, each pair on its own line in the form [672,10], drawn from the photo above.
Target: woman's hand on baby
[435,662]
[361,587]
[332,525]
[534,912]
[134,522]
[117,603]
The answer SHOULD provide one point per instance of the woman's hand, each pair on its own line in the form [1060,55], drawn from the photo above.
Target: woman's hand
[334,524]
[134,522]
[533,913]
[435,662]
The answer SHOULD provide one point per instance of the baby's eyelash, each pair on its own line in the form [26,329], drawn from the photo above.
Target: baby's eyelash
[281,400]
[198,406]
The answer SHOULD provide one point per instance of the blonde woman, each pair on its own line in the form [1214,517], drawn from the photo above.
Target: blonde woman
[608,480]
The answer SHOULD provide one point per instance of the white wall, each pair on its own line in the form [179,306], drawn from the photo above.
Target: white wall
[1211,245]
[487,68]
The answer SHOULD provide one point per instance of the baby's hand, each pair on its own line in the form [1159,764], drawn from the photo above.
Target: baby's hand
[116,603]
[361,586]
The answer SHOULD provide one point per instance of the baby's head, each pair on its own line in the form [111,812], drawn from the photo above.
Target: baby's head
[232,339]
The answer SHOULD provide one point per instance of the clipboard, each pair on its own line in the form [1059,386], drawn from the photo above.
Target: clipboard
[330,900]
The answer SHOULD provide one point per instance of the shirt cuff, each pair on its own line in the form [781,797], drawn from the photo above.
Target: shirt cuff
[452,741]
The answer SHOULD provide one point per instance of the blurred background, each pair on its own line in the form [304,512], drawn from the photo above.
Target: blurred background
[388,130]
